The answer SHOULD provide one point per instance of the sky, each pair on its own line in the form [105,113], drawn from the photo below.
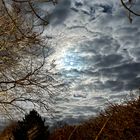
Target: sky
[96,52]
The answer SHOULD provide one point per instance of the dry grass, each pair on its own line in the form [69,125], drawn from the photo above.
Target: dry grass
[117,122]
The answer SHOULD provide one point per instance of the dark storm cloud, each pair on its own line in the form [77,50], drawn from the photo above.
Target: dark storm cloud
[102,8]
[133,67]
[106,8]
[136,52]
[126,77]
[74,9]
[127,30]
[60,12]
[76,6]
[109,60]
[133,84]
[103,44]
[78,3]
[108,85]
[113,85]
[85,109]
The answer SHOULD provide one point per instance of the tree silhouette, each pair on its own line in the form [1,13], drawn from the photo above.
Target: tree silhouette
[31,127]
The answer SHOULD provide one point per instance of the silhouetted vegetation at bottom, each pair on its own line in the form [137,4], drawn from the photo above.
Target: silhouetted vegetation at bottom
[117,122]
[32,127]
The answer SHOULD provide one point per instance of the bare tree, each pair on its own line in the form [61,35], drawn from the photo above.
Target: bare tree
[25,77]
[128,5]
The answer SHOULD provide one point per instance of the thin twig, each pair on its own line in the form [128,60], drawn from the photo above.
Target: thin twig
[131,11]
[102,128]
[72,132]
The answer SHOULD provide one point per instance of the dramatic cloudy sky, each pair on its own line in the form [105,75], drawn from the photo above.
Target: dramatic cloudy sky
[97,53]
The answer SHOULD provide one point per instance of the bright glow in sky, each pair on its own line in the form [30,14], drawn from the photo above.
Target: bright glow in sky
[97,52]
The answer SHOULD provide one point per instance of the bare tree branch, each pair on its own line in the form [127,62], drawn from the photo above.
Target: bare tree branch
[26,79]
[129,9]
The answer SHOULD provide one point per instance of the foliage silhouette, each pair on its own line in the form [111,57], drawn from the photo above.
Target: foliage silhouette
[32,127]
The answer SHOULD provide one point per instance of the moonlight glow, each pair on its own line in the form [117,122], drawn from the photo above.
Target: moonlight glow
[71,60]
[68,57]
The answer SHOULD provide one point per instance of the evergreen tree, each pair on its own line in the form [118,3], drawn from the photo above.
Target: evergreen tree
[31,127]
